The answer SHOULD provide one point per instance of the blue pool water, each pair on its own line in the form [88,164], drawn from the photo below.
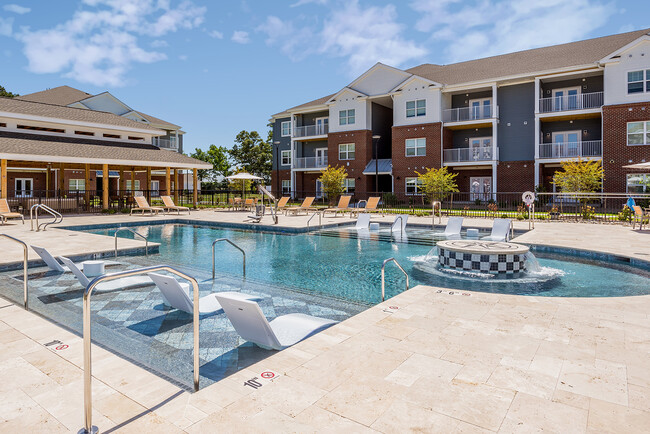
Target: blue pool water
[350,268]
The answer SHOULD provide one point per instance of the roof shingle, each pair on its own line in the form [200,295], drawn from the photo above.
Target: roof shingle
[62,95]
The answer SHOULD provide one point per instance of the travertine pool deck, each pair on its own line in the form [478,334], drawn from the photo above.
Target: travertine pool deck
[427,360]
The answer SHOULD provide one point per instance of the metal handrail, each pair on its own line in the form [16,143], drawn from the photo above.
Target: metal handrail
[58,218]
[235,246]
[401,229]
[88,404]
[25,266]
[320,219]
[124,228]
[383,277]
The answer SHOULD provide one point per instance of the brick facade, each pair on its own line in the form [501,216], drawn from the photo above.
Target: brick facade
[404,166]
[515,176]
[277,176]
[362,140]
[464,176]
[616,152]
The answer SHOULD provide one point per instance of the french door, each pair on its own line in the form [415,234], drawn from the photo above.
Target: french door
[24,187]
[319,189]
[480,108]
[321,157]
[321,126]
[480,148]
[566,99]
[566,144]
[480,187]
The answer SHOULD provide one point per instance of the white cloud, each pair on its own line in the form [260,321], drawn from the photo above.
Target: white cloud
[159,43]
[215,34]
[6,26]
[99,44]
[240,37]
[16,9]
[305,2]
[480,28]
[295,43]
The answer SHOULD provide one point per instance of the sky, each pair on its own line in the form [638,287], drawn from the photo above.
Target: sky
[219,67]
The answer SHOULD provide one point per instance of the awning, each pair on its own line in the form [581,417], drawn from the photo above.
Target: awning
[638,166]
[384,167]
[111,174]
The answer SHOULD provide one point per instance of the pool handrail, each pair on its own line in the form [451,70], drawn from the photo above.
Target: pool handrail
[58,218]
[124,228]
[235,246]
[320,219]
[88,425]
[25,266]
[383,276]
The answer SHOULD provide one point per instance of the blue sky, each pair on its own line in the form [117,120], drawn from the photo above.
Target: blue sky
[217,68]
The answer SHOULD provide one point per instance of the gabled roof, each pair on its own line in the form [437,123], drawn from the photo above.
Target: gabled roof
[615,56]
[316,102]
[62,95]
[159,122]
[12,105]
[344,90]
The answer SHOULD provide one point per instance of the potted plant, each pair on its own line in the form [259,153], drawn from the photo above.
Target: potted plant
[554,213]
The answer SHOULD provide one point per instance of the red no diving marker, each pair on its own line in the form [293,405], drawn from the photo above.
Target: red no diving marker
[267,375]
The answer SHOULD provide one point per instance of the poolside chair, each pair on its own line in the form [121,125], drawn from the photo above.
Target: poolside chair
[399,224]
[500,230]
[282,332]
[282,203]
[177,295]
[143,205]
[248,204]
[5,212]
[363,222]
[453,228]
[259,213]
[170,205]
[639,216]
[371,206]
[123,283]
[344,203]
[305,206]
[53,264]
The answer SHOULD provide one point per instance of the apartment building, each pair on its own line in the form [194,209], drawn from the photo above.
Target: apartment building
[502,123]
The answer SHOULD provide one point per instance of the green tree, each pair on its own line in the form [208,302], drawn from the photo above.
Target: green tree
[252,154]
[437,183]
[579,176]
[6,93]
[218,157]
[333,179]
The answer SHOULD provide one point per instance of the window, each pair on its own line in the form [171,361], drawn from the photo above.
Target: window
[349,184]
[346,151]
[155,188]
[136,183]
[416,108]
[286,186]
[285,158]
[416,147]
[346,117]
[77,185]
[638,183]
[638,133]
[84,133]
[135,138]
[286,128]
[50,130]
[413,185]
[112,136]
[635,81]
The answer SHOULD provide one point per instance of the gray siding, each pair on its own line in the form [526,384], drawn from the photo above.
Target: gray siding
[516,128]
[310,118]
[589,85]
[285,143]
[458,101]
[592,126]
[461,137]
[308,149]
[382,122]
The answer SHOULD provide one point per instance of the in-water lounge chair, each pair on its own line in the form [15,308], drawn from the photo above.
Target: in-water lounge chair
[170,205]
[143,206]
[5,212]
[304,206]
[177,295]
[344,203]
[125,282]
[500,230]
[453,228]
[399,224]
[282,332]
[363,222]
[53,264]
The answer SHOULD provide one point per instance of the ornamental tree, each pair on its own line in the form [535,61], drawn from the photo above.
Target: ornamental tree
[333,179]
[437,183]
[579,176]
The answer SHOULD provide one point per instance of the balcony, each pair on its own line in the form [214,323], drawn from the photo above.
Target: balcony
[563,103]
[171,144]
[469,113]
[311,131]
[591,148]
[467,155]
[310,163]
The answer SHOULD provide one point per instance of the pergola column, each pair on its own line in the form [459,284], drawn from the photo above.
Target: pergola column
[105,180]
[168,181]
[133,180]
[122,183]
[87,185]
[175,185]
[3,179]
[195,196]
[61,179]
[148,186]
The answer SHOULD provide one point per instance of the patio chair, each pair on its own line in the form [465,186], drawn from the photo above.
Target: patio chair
[53,264]
[177,295]
[5,212]
[282,203]
[305,206]
[143,205]
[259,213]
[453,228]
[399,224]
[248,204]
[500,230]
[639,216]
[363,222]
[112,285]
[170,205]
[282,332]
[344,203]
[371,206]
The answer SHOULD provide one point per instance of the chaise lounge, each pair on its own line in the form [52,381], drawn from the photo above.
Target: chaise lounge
[453,228]
[170,205]
[304,206]
[143,205]
[344,203]
[112,285]
[500,230]
[6,213]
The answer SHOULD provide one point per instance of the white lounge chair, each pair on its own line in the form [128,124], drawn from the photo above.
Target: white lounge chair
[399,224]
[363,221]
[125,282]
[453,228]
[500,230]
[282,332]
[177,295]
[51,262]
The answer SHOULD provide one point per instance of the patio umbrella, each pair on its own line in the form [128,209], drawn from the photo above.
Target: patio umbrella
[244,177]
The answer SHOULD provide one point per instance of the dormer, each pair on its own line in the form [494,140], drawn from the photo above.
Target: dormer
[416,101]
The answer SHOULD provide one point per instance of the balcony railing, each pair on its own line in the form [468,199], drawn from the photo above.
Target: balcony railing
[591,148]
[469,113]
[463,155]
[310,130]
[571,102]
[166,143]
[310,163]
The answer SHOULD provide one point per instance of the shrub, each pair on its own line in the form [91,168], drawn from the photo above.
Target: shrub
[390,199]
[626,214]
[588,212]
[438,183]
[504,215]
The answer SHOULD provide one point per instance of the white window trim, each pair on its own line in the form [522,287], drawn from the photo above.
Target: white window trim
[282,156]
[128,186]
[646,131]
[645,81]
[417,186]
[287,185]
[416,147]
[416,115]
[282,129]
[346,184]
[347,116]
[347,152]
[30,192]
[77,181]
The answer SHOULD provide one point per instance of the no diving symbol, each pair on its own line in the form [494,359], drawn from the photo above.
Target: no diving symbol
[59,345]
[62,347]
[267,375]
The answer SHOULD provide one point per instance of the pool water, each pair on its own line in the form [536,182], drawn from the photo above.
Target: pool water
[349,267]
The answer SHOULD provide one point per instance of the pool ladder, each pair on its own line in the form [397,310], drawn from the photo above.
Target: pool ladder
[383,276]
[58,218]
[236,247]
[320,219]
[25,266]
[124,228]
[401,229]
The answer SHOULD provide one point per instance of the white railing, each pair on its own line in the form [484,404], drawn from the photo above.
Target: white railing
[470,113]
[165,143]
[591,148]
[310,163]
[571,102]
[310,130]
[461,155]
